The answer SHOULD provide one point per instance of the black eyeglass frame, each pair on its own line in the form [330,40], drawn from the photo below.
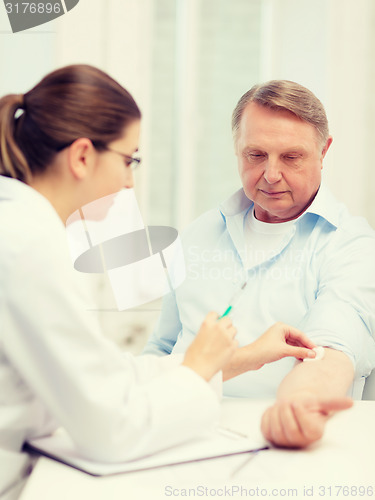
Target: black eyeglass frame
[134,162]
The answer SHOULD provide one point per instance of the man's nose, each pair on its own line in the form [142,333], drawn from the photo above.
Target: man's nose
[272,171]
[129,181]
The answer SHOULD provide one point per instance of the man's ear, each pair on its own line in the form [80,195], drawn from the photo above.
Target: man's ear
[81,156]
[327,145]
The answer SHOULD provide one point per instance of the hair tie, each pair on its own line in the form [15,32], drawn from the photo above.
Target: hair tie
[21,102]
[20,109]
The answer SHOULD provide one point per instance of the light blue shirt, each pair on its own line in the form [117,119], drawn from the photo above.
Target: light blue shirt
[321,279]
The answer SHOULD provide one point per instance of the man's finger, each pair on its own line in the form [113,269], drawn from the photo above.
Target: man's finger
[311,423]
[265,424]
[276,428]
[335,404]
[291,427]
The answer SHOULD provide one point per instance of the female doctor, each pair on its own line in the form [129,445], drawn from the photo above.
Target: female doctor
[69,141]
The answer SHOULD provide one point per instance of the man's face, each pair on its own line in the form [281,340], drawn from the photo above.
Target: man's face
[280,161]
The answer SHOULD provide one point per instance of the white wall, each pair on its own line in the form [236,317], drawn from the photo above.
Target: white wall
[25,57]
[116,36]
[329,46]
[351,103]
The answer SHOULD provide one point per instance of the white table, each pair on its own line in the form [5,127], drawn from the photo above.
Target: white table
[341,465]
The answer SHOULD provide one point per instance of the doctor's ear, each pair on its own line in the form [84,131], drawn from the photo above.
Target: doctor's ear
[326,146]
[81,156]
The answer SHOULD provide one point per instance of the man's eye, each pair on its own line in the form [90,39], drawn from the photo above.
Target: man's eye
[255,156]
[128,163]
[291,157]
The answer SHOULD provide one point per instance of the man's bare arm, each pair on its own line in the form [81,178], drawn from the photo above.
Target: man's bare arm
[327,378]
[306,398]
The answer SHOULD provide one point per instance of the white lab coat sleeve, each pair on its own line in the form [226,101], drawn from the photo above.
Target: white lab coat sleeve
[147,364]
[104,400]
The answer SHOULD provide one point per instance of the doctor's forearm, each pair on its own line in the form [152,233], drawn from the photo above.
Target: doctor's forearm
[243,360]
[327,378]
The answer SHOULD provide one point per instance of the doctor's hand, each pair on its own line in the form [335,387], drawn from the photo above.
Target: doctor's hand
[300,422]
[279,341]
[212,347]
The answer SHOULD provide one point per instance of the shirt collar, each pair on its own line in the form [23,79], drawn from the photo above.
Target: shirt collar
[324,205]
[236,204]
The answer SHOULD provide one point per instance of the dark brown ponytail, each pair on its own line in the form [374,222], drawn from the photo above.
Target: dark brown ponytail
[12,161]
[69,103]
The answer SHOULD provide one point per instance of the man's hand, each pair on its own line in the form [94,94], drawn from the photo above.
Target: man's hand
[299,423]
[306,398]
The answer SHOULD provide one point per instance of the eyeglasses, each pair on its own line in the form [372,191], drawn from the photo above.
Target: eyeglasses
[130,161]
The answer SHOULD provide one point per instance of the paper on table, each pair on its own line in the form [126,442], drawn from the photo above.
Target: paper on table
[216,444]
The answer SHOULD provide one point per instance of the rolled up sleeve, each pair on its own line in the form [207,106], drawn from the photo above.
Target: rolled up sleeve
[343,314]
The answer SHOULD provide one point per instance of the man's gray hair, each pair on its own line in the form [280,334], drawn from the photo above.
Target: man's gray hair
[288,96]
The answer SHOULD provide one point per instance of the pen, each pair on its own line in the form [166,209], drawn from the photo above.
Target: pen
[227,311]
[233,300]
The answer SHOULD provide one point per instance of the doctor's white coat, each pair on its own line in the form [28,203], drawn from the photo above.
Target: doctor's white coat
[57,369]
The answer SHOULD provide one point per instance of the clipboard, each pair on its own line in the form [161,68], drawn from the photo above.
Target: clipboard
[215,444]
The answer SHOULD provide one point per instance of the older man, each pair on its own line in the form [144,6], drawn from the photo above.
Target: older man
[305,261]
